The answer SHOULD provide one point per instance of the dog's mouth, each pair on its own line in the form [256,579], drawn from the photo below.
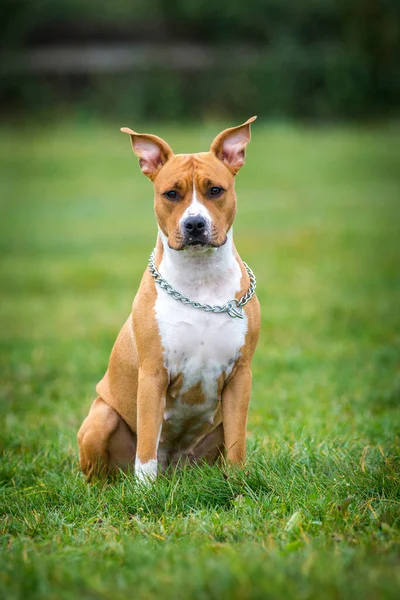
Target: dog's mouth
[197,243]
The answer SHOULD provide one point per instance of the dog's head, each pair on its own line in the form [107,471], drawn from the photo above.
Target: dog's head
[195,200]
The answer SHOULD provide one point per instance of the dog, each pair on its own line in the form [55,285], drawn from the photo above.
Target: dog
[178,384]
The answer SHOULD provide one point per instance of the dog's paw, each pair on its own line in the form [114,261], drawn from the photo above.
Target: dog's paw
[146,472]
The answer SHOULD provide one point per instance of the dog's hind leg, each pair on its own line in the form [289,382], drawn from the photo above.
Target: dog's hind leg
[106,443]
[211,447]
[209,450]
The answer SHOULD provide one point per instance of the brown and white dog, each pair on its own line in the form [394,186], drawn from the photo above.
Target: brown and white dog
[178,382]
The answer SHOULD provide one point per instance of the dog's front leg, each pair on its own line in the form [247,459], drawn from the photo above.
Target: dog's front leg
[235,406]
[152,387]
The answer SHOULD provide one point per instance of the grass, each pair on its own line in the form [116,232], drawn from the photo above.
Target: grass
[315,512]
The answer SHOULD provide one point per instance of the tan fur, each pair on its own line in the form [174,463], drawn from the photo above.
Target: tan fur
[127,417]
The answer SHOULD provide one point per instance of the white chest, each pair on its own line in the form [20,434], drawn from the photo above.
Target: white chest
[199,347]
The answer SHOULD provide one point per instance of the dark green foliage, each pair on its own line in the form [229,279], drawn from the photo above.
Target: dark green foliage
[321,59]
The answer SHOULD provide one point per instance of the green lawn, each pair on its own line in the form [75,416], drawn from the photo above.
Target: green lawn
[316,511]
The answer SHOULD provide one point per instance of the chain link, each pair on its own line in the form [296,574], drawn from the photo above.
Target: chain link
[233,307]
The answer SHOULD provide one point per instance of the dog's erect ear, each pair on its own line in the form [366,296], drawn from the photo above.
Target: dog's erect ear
[229,146]
[151,150]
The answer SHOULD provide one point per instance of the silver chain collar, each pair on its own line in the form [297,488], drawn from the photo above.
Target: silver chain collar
[233,307]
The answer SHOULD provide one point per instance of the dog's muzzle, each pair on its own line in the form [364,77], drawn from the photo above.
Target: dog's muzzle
[196,231]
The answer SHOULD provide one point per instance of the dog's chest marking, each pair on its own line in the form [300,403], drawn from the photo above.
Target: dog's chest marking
[200,349]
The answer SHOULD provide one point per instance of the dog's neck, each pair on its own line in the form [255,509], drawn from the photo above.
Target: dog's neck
[199,272]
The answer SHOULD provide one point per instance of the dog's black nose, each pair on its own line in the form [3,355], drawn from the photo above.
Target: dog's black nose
[195,225]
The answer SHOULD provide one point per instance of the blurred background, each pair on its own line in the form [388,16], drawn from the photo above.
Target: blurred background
[197,59]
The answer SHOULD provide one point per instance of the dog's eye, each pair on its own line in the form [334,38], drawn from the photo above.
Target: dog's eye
[172,195]
[215,191]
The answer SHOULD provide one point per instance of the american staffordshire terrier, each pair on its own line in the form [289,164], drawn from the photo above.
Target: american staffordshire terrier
[178,383]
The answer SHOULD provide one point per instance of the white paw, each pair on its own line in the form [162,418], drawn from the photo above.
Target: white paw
[146,472]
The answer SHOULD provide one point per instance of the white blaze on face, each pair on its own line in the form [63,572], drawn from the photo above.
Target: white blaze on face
[196,209]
